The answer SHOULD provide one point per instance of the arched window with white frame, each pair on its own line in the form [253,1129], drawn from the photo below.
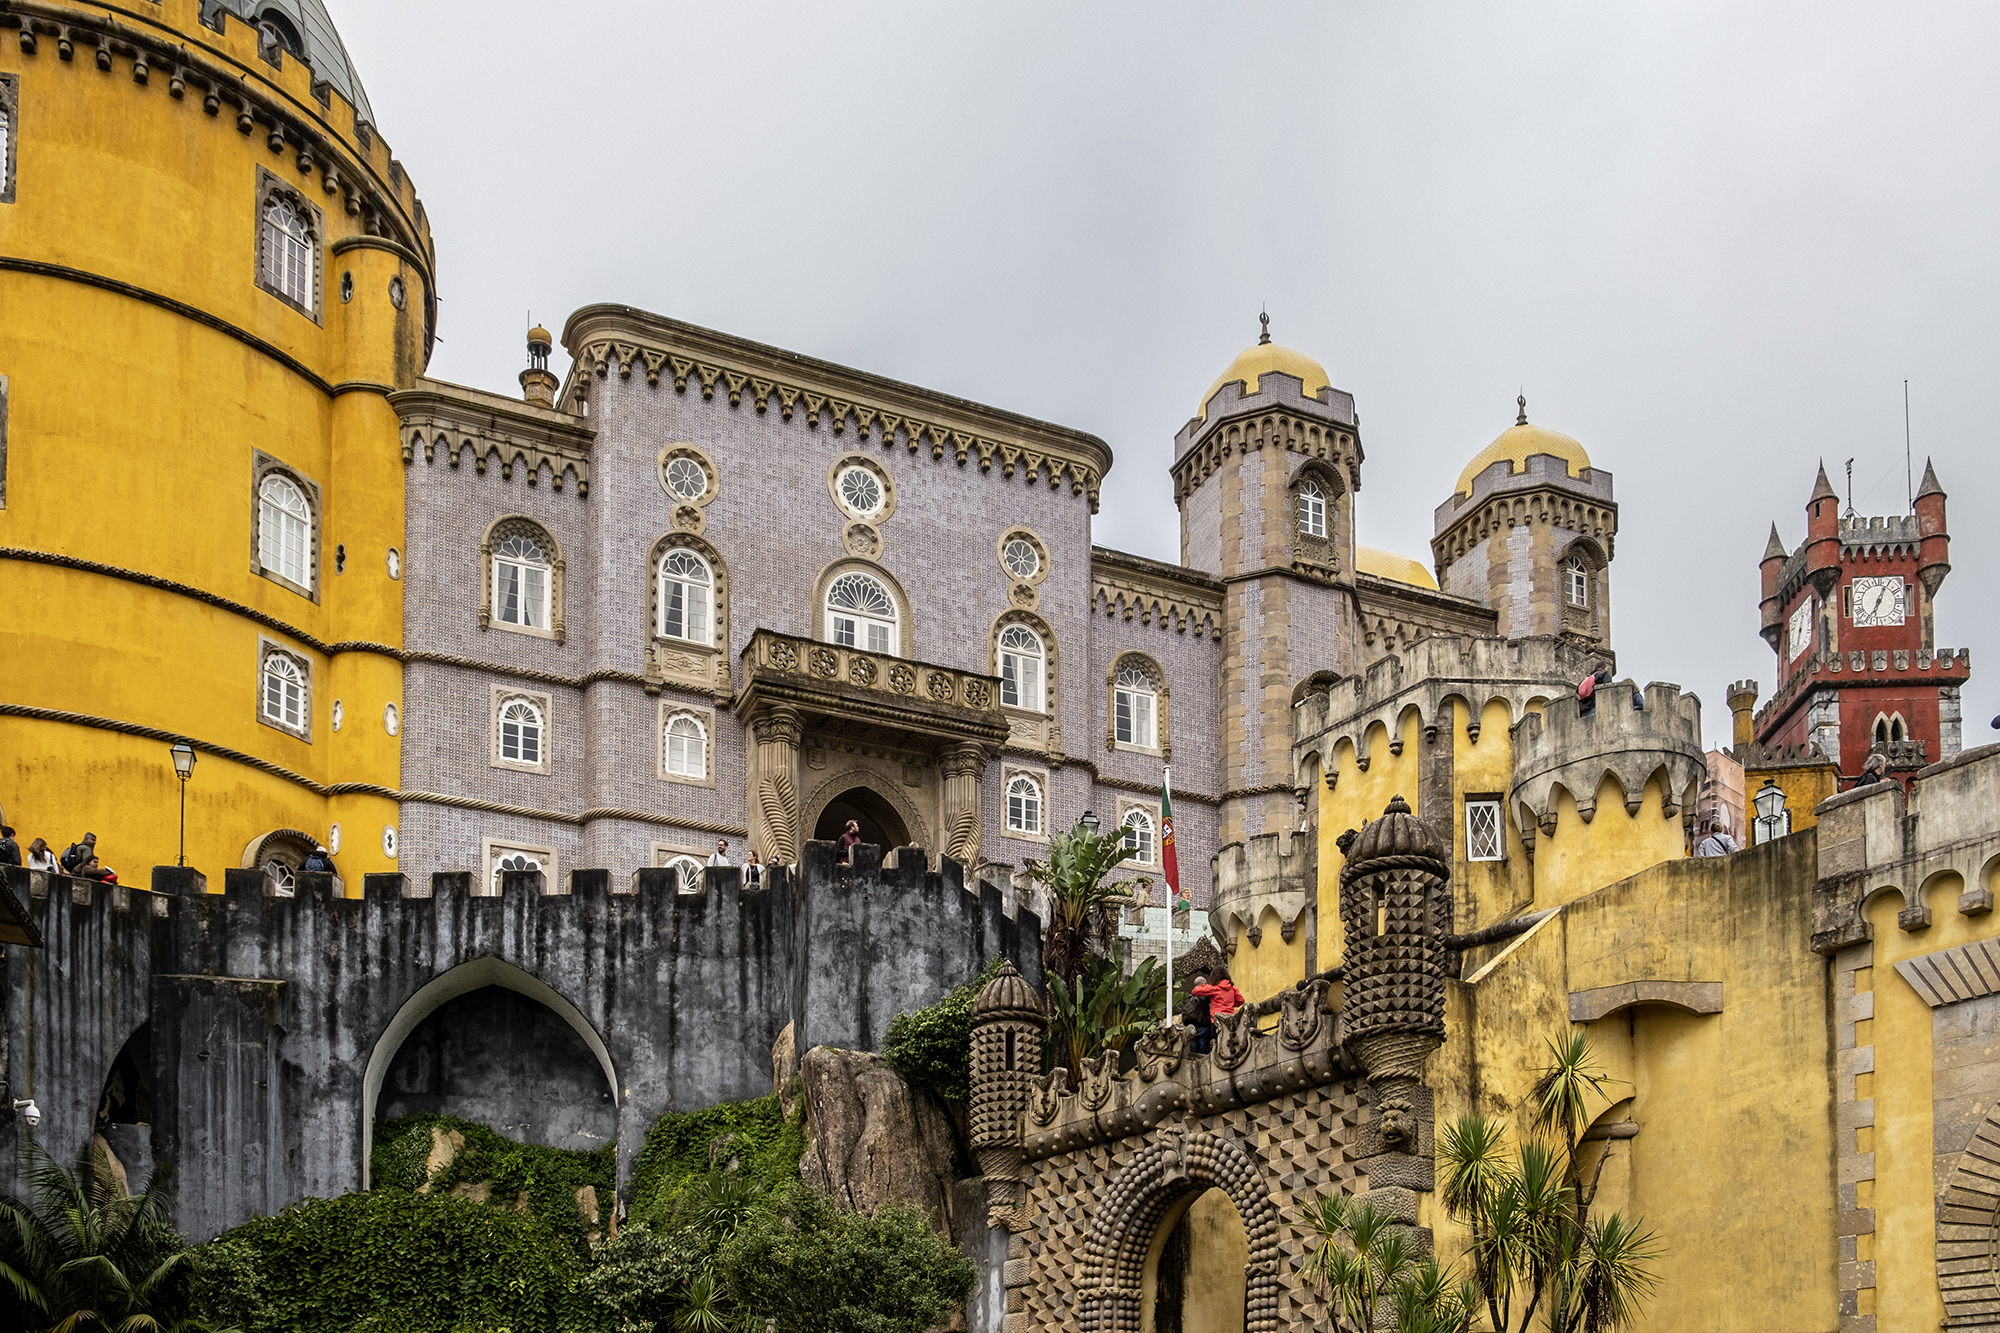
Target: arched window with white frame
[860,613]
[687,873]
[1135,709]
[687,592]
[1312,509]
[685,747]
[284,692]
[1139,836]
[1021,673]
[520,732]
[288,259]
[1024,804]
[521,583]
[1576,581]
[507,861]
[284,530]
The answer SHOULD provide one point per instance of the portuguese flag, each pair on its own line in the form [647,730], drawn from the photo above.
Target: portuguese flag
[1169,863]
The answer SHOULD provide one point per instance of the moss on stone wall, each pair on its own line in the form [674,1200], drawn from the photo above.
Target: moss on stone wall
[443,1154]
[755,1137]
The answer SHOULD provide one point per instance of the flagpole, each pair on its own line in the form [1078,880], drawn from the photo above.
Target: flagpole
[1166,792]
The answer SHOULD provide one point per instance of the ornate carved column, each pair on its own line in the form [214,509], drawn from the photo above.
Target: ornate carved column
[963,766]
[774,784]
[1007,1024]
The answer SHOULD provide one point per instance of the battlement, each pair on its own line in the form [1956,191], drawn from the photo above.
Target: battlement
[1894,535]
[1879,666]
[1277,391]
[1428,676]
[1541,470]
[1275,870]
[1660,735]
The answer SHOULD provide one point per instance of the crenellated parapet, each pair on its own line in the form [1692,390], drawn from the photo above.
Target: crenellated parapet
[1635,737]
[1429,677]
[1279,871]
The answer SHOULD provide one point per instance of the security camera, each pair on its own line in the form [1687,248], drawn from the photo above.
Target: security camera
[29,1112]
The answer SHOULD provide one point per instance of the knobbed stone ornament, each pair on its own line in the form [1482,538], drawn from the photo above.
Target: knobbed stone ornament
[1395,910]
[1007,1023]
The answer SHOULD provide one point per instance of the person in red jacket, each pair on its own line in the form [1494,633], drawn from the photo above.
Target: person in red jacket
[1221,993]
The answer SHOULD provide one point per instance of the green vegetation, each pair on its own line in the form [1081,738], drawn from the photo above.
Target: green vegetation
[1362,1262]
[548,1178]
[933,1046]
[684,1148]
[86,1254]
[1081,921]
[1101,1010]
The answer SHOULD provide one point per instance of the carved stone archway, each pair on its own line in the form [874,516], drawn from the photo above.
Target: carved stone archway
[1968,1231]
[882,786]
[1113,1268]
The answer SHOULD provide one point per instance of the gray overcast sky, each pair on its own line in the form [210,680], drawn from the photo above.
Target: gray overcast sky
[1708,240]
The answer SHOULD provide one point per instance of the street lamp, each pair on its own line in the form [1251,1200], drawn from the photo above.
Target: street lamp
[1773,820]
[183,754]
[1088,823]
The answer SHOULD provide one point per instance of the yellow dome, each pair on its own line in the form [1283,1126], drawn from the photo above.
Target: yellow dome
[1262,359]
[1518,443]
[1389,565]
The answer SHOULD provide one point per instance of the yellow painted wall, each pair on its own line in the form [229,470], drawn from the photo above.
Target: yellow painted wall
[1488,891]
[132,426]
[1358,797]
[1579,858]
[1263,969]
[1217,1278]
[1804,788]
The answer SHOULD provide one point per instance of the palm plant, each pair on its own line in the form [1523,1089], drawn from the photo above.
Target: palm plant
[1101,1010]
[1078,896]
[1535,1246]
[1359,1257]
[86,1254]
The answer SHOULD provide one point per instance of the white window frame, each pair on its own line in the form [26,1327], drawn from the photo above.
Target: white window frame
[1576,582]
[857,627]
[1498,813]
[492,851]
[505,698]
[1312,509]
[1010,554]
[289,264]
[689,632]
[1023,670]
[702,747]
[10,131]
[856,472]
[1038,827]
[693,871]
[1151,839]
[1126,696]
[531,612]
[276,662]
[680,470]
[284,536]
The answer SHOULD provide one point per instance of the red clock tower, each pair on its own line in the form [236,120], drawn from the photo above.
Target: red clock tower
[1850,614]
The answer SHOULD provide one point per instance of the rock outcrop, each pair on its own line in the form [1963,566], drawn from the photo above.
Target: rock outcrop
[873,1139]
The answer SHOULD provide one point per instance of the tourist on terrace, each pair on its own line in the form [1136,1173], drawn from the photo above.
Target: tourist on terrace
[81,860]
[1195,1013]
[848,841]
[720,856]
[1586,689]
[318,861]
[1717,843]
[1872,770]
[10,851]
[753,871]
[41,858]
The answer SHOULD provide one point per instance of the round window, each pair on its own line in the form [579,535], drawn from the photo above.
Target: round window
[861,491]
[686,479]
[1023,561]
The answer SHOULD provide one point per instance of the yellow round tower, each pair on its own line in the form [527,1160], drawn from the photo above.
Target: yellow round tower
[212,274]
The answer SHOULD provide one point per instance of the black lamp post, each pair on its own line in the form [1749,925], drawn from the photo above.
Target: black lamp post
[1772,817]
[183,754]
[1088,823]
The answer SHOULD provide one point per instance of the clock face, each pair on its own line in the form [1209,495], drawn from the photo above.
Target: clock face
[1878,601]
[1802,626]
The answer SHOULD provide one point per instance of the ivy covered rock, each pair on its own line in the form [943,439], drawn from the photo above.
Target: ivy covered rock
[873,1139]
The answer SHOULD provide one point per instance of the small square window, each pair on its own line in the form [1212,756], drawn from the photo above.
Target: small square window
[1485,835]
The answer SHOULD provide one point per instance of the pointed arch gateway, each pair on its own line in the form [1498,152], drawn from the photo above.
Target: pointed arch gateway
[1111,1275]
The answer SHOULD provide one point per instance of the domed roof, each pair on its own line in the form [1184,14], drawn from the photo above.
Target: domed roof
[1008,995]
[1518,443]
[313,28]
[1389,565]
[538,334]
[1396,833]
[1259,360]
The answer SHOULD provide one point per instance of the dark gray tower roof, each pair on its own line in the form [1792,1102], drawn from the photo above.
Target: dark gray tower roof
[313,26]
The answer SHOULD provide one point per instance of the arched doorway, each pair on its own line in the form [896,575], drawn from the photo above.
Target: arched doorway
[125,1108]
[1196,1277]
[551,1110]
[881,823]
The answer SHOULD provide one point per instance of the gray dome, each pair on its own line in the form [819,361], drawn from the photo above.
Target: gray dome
[309,22]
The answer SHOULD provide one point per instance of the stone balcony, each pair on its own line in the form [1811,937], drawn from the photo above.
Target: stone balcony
[868,697]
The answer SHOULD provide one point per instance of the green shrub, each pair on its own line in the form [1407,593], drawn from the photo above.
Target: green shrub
[933,1046]
[393,1261]
[641,1278]
[550,1177]
[815,1269]
[755,1135]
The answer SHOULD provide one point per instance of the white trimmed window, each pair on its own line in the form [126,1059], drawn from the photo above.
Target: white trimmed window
[1135,705]
[861,491]
[520,733]
[1485,834]
[689,873]
[1576,581]
[288,261]
[284,692]
[686,747]
[860,613]
[1022,559]
[1139,836]
[1021,668]
[508,860]
[1312,509]
[1024,804]
[686,479]
[521,583]
[686,596]
[284,530]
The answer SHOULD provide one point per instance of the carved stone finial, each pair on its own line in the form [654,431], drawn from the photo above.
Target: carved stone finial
[1521,417]
[1264,318]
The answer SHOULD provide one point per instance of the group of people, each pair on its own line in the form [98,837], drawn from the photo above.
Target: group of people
[79,858]
[753,866]
[1207,1001]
